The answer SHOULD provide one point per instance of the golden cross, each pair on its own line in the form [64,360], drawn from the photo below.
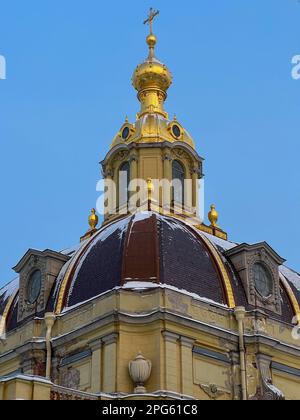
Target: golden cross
[152,15]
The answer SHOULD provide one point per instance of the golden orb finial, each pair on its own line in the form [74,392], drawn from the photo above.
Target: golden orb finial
[93,219]
[213,216]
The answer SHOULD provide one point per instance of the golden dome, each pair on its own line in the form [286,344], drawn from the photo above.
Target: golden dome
[152,74]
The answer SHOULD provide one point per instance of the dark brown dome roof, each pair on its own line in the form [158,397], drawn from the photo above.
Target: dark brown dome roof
[149,250]
[146,247]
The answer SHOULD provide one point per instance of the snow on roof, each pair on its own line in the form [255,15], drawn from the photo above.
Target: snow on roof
[142,215]
[72,249]
[142,286]
[9,289]
[135,285]
[225,245]
[288,273]
[291,275]
[25,378]
[120,227]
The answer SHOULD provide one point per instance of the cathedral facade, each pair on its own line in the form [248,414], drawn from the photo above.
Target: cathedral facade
[154,304]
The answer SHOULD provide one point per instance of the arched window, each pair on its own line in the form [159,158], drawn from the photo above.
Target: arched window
[178,176]
[124,180]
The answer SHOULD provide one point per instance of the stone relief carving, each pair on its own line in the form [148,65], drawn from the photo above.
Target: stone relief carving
[213,391]
[260,325]
[70,378]
[266,391]
[181,154]
[120,157]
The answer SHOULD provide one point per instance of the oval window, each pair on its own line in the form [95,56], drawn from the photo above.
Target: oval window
[34,287]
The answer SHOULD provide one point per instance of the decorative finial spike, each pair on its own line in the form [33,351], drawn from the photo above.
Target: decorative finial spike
[93,220]
[151,39]
[213,216]
[149,21]
[150,189]
[126,119]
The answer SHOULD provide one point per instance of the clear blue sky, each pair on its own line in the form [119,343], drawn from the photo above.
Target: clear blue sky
[68,89]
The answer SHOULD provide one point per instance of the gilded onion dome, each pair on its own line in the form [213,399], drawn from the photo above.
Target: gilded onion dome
[152,76]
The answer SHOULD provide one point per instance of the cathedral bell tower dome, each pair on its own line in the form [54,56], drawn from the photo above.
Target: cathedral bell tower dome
[153,149]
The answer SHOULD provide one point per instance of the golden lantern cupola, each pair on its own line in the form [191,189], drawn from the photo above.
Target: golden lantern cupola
[152,78]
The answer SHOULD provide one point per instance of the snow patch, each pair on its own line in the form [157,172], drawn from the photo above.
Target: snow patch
[142,215]
[225,245]
[139,285]
[275,390]
[291,275]
[9,289]
[120,227]
[26,378]
[73,249]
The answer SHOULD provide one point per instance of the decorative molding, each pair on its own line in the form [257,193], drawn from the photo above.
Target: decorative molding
[213,391]
[110,339]
[74,358]
[96,344]
[267,390]
[285,369]
[170,337]
[187,342]
[167,157]
[107,172]
[133,158]
[220,357]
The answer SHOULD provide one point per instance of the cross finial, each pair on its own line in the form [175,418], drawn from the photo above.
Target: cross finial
[152,15]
